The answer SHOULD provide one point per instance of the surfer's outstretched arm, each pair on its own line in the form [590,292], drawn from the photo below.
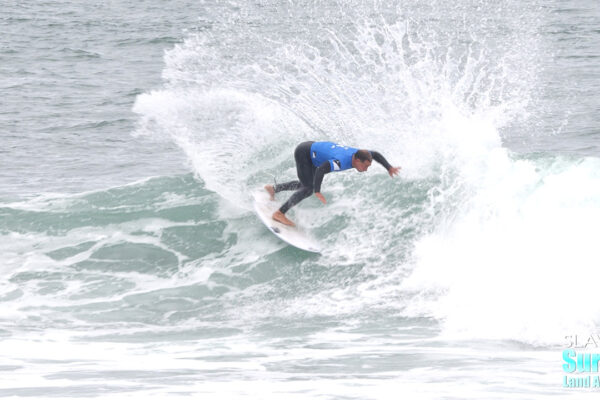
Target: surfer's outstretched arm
[320,172]
[377,156]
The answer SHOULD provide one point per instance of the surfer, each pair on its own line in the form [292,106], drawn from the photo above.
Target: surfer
[313,161]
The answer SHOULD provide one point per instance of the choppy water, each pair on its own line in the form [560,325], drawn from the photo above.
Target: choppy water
[132,133]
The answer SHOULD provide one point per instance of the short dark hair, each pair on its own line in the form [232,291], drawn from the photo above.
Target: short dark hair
[363,155]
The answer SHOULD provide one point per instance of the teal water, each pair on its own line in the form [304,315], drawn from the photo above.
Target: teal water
[134,267]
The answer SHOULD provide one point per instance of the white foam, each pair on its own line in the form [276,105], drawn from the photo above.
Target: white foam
[517,260]
[228,135]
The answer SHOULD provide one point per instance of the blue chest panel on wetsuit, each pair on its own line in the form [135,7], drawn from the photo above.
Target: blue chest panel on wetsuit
[339,157]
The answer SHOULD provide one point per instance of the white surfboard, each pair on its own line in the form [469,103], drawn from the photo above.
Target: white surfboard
[295,236]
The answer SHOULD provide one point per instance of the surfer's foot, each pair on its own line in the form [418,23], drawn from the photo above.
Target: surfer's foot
[280,217]
[271,190]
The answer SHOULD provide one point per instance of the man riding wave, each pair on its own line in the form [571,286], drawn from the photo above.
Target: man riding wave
[313,161]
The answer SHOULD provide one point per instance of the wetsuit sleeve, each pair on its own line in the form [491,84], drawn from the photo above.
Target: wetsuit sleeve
[381,159]
[322,169]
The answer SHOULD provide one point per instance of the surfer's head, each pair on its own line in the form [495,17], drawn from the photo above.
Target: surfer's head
[361,160]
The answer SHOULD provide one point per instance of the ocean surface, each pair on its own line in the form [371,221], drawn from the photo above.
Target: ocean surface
[131,137]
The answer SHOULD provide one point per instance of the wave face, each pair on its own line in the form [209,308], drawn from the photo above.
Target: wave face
[481,252]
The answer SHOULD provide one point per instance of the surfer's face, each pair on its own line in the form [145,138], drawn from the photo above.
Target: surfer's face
[362,166]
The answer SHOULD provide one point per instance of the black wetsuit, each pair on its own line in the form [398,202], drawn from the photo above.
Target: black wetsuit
[310,176]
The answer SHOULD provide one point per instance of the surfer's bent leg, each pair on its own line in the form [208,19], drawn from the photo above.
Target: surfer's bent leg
[296,198]
[306,173]
[293,185]
[304,170]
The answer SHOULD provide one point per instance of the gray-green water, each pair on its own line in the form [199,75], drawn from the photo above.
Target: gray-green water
[132,134]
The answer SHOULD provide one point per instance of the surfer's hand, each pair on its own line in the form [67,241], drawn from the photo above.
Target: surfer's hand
[394,171]
[321,197]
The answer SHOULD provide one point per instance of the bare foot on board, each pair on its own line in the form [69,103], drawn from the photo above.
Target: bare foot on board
[280,217]
[271,190]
